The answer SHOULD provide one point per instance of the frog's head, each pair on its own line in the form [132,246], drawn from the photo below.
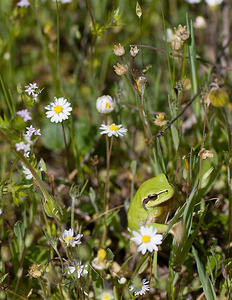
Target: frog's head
[155,192]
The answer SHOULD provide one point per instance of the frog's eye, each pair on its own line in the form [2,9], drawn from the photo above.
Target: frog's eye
[151,197]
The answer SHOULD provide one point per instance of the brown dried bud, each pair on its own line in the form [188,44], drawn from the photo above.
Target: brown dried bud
[205,153]
[119,50]
[120,69]
[35,271]
[177,43]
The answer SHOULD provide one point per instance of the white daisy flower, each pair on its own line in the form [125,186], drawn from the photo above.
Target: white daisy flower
[213,3]
[200,22]
[138,287]
[69,239]
[27,173]
[105,104]
[147,239]
[106,295]
[113,129]
[78,269]
[193,1]
[58,110]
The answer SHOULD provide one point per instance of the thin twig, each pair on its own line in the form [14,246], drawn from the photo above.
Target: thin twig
[161,133]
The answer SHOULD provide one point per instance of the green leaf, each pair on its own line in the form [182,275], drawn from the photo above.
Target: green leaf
[52,136]
[206,282]
[19,231]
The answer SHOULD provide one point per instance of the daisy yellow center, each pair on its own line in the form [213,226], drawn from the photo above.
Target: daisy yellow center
[146,238]
[107,105]
[68,238]
[78,267]
[113,127]
[106,298]
[101,254]
[58,109]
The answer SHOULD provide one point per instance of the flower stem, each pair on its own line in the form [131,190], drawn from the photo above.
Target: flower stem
[66,149]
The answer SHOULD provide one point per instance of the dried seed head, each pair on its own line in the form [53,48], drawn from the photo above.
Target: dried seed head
[182,32]
[205,153]
[120,69]
[119,50]
[134,50]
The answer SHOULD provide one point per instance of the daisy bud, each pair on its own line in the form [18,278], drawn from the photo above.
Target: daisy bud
[119,50]
[119,69]
[105,104]
[200,22]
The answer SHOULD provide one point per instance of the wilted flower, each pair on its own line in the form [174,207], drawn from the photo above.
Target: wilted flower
[58,110]
[105,104]
[176,43]
[147,239]
[205,153]
[141,83]
[23,3]
[116,130]
[119,69]
[69,239]
[24,113]
[160,121]
[119,50]
[78,269]
[35,271]
[134,50]
[139,288]
[100,262]
[200,22]
[182,32]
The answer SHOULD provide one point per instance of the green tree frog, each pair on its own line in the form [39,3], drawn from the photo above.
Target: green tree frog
[151,204]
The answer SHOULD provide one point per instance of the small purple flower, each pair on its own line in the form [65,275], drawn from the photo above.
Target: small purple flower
[30,131]
[33,90]
[24,113]
[26,147]
[23,3]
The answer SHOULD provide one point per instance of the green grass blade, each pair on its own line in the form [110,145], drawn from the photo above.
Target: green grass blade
[206,282]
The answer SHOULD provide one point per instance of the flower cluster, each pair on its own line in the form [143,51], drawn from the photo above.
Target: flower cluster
[24,113]
[23,3]
[33,90]
[180,36]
